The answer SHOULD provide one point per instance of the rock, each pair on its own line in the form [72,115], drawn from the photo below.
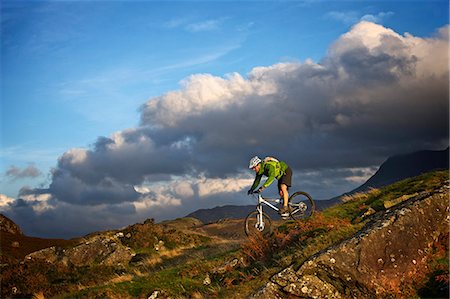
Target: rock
[310,286]
[269,291]
[285,277]
[154,295]
[383,256]
[228,266]
[159,246]
[48,254]
[15,244]
[7,225]
[370,211]
[207,280]
[390,203]
[99,249]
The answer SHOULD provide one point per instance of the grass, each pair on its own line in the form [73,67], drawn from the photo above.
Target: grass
[169,280]
[357,204]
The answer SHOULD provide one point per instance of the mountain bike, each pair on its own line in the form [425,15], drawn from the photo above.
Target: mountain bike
[301,206]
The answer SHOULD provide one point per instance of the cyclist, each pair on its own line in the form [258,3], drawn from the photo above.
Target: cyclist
[273,169]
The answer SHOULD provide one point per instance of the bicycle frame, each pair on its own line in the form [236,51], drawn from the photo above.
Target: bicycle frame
[259,208]
[301,206]
[267,201]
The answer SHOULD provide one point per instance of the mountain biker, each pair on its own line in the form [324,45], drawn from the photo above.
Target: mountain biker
[273,169]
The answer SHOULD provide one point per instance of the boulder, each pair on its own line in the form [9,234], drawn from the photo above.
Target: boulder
[7,225]
[101,249]
[378,261]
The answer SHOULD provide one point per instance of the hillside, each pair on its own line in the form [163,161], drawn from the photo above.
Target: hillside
[400,229]
[401,251]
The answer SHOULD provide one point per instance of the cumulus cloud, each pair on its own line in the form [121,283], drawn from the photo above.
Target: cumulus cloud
[375,94]
[5,202]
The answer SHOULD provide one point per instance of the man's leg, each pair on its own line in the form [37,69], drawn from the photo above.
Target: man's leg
[285,194]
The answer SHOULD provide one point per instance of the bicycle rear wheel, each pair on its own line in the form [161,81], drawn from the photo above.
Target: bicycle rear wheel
[253,226]
[302,205]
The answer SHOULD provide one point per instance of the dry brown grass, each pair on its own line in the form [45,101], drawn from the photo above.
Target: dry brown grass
[121,278]
[166,254]
[38,295]
[360,196]
[261,248]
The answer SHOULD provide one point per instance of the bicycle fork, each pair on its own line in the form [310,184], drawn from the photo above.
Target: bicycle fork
[259,225]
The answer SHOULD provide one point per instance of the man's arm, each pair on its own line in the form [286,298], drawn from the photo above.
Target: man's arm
[256,182]
[270,176]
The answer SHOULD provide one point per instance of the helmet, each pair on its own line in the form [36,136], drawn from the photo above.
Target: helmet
[254,161]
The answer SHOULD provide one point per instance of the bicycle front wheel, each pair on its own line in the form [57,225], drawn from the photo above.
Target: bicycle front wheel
[255,224]
[302,205]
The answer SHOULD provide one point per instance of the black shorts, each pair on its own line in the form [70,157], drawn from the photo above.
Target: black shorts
[286,179]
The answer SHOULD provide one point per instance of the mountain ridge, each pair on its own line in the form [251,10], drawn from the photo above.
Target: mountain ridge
[399,167]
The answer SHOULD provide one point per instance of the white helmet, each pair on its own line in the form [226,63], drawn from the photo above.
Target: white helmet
[254,161]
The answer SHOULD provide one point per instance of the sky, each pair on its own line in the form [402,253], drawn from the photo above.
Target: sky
[114,112]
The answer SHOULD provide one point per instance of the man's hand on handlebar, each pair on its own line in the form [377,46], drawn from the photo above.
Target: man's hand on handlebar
[260,189]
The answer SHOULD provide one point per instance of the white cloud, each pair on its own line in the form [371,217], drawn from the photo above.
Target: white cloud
[75,155]
[347,17]
[203,92]
[188,24]
[208,25]
[38,202]
[377,18]
[161,201]
[360,175]
[208,187]
[352,17]
[5,202]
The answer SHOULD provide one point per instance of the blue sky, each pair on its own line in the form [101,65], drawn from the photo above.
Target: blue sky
[74,72]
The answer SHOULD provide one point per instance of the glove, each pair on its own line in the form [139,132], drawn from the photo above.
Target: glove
[249,192]
[261,189]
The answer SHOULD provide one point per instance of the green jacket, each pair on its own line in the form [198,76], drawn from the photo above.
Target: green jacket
[272,170]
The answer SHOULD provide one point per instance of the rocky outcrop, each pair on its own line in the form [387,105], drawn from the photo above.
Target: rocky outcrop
[7,225]
[113,248]
[105,249]
[377,262]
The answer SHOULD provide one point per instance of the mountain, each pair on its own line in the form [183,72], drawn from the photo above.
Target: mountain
[400,167]
[222,212]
